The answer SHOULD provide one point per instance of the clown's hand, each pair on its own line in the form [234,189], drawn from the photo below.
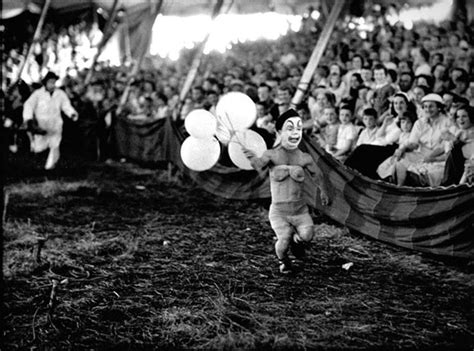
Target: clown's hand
[248,153]
[324,198]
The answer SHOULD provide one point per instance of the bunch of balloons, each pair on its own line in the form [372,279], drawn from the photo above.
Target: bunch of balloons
[201,150]
[236,112]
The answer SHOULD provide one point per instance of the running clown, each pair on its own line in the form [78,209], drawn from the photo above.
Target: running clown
[289,214]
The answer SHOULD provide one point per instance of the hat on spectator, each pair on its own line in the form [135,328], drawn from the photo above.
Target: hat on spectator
[48,76]
[236,82]
[463,45]
[432,97]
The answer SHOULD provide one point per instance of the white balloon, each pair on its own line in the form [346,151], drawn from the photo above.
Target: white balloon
[200,154]
[236,110]
[200,124]
[251,140]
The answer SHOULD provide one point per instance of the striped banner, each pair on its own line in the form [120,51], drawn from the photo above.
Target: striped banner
[434,220]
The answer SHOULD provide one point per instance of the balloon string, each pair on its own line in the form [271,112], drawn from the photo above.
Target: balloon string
[233,132]
[226,126]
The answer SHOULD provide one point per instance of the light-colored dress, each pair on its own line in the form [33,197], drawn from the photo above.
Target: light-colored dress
[428,135]
[387,168]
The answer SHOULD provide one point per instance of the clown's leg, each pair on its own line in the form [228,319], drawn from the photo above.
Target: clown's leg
[304,234]
[282,245]
[284,232]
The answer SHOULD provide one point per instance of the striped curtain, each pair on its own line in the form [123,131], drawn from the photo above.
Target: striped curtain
[439,221]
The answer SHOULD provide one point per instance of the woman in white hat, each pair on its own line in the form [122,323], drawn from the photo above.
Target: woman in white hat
[426,152]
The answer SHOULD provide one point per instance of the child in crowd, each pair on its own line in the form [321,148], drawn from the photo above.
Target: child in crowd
[405,123]
[289,215]
[327,137]
[346,135]
[368,135]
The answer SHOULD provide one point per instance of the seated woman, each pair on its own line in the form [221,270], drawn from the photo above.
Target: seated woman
[426,153]
[460,162]
[386,170]
[386,140]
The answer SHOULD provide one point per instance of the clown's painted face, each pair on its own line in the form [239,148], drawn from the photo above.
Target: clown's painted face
[291,133]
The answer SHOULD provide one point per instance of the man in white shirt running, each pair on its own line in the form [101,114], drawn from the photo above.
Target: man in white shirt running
[45,106]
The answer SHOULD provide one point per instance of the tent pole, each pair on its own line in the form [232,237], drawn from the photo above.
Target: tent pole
[198,58]
[144,49]
[36,36]
[103,41]
[128,52]
[318,51]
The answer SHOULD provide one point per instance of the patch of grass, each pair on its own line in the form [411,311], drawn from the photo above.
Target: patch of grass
[47,188]
[172,267]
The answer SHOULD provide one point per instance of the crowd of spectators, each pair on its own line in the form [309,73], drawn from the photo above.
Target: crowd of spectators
[61,49]
[390,102]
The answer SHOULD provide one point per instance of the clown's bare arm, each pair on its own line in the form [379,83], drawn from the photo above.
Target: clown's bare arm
[316,173]
[259,163]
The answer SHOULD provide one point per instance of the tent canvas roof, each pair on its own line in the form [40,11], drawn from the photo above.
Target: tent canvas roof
[182,7]
[169,7]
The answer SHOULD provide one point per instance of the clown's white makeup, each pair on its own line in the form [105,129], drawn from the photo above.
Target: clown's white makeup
[291,133]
